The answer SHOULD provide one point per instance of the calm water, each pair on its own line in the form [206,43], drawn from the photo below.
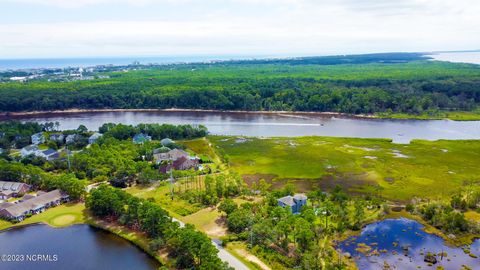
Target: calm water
[256,124]
[78,247]
[116,61]
[391,236]
[458,57]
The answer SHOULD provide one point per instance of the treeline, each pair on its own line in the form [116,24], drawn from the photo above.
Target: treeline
[189,248]
[413,87]
[297,241]
[338,59]
[156,131]
[32,175]
[16,133]
[213,188]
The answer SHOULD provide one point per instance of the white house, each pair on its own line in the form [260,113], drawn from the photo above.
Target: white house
[38,138]
[94,137]
[28,150]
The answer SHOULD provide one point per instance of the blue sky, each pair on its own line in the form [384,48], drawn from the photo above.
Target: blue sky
[92,28]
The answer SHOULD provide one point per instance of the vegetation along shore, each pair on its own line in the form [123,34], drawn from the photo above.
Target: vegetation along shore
[132,180]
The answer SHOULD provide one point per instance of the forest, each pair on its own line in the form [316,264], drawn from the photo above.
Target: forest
[385,83]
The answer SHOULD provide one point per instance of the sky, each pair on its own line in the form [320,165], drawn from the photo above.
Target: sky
[96,28]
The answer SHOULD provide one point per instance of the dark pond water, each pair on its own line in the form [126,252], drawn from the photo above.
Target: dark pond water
[79,247]
[268,125]
[403,244]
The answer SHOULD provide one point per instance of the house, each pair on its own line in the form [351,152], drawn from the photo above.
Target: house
[38,204]
[12,189]
[166,142]
[48,154]
[38,138]
[72,138]
[171,155]
[92,139]
[141,138]
[294,203]
[180,164]
[28,150]
[57,137]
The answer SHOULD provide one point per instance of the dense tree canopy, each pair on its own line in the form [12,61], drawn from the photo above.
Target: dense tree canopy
[190,248]
[301,85]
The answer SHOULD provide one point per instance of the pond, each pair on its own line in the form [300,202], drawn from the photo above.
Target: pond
[401,243]
[269,125]
[76,247]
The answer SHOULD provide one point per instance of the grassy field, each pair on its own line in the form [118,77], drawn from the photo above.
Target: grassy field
[207,220]
[60,216]
[457,116]
[161,195]
[398,172]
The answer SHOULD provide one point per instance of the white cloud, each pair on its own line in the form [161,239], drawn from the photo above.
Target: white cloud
[251,26]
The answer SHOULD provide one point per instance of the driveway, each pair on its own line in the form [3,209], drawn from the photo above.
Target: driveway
[223,254]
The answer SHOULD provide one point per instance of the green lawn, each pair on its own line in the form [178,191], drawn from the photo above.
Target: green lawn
[206,220]
[395,171]
[161,195]
[61,216]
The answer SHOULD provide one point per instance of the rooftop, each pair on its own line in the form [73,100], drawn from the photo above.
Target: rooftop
[287,200]
[40,201]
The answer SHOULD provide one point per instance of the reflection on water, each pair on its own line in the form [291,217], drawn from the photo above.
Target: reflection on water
[77,247]
[268,125]
[402,243]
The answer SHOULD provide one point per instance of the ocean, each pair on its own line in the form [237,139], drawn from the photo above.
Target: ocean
[15,64]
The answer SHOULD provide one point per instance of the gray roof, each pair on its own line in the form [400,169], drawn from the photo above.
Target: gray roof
[300,197]
[287,200]
[166,141]
[38,135]
[31,147]
[12,186]
[28,197]
[5,205]
[49,152]
[40,201]
[173,154]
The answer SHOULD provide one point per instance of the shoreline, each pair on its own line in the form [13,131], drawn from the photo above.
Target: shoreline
[74,111]
[453,116]
[90,221]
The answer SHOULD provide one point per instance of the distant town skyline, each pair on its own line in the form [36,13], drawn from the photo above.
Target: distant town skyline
[95,28]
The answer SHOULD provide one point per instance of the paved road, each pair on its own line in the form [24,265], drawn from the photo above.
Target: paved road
[223,254]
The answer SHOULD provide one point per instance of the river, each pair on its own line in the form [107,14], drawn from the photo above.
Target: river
[403,244]
[269,125]
[78,247]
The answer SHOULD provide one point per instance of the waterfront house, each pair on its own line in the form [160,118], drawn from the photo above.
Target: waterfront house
[48,154]
[181,163]
[92,139]
[141,138]
[294,203]
[57,137]
[38,138]
[171,155]
[32,206]
[72,138]
[12,189]
[28,150]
